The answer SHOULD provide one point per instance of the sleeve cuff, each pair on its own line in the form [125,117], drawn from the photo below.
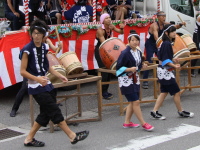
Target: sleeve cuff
[120,71]
[166,61]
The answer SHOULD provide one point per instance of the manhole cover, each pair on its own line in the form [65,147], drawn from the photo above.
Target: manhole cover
[7,133]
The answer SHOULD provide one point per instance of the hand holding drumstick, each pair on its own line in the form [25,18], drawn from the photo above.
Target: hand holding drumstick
[183,23]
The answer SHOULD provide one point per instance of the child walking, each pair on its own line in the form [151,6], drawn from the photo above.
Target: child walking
[129,64]
[34,66]
[165,74]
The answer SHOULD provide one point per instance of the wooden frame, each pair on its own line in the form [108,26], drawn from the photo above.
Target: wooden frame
[80,79]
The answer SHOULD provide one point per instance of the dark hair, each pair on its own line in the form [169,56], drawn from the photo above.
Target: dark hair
[160,12]
[172,22]
[39,25]
[168,28]
[82,2]
[133,32]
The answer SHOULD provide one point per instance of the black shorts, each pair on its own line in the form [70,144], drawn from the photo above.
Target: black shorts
[53,14]
[49,110]
[132,97]
[172,89]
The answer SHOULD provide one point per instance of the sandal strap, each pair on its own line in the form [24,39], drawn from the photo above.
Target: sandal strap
[81,135]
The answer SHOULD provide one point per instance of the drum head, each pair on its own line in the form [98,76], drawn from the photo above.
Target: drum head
[110,50]
[182,54]
[107,41]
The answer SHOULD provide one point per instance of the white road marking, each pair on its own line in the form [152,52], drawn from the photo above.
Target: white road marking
[195,148]
[151,140]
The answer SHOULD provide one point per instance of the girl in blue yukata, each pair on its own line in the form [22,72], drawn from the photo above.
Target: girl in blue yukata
[165,74]
[34,66]
[129,64]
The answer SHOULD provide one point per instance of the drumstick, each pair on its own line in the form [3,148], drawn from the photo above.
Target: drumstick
[58,49]
[180,19]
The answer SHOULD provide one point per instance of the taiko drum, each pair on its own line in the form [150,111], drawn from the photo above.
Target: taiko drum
[71,63]
[110,50]
[180,49]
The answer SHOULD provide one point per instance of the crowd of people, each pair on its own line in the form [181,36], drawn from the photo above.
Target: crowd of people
[65,11]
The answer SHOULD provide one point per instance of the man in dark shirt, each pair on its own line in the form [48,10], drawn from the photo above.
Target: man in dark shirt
[13,14]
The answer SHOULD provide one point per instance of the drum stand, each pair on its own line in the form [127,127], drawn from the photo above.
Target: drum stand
[80,79]
[121,103]
[196,55]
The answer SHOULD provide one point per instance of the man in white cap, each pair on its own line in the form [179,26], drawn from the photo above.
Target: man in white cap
[102,34]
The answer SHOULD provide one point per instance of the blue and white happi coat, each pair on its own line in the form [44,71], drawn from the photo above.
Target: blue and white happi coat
[35,68]
[165,55]
[128,59]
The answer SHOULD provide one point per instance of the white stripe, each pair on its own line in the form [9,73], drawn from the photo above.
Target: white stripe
[16,63]
[4,72]
[84,53]
[121,37]
[61,51]
[142,41]
[195,148]
[94,59]
[72,45]
[151,140]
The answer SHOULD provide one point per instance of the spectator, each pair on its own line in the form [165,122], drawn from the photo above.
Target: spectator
[66,5]
[101,6]
[54,6]
[119,9]
[36,8]
[13,14]
[80,13]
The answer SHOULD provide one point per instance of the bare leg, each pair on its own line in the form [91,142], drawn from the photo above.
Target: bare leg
[118,14]
[138,112]
[32,132]
[98,18]
[177,101]
[58,16]
[63,125]
[129,113]
[159,101]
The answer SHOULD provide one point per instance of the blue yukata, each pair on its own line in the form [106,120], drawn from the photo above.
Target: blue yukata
[127,59]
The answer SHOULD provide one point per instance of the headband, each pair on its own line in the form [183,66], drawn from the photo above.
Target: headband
[161,14]
[102,18]
[47,34]
[167,29]
[40,28]
[132,35]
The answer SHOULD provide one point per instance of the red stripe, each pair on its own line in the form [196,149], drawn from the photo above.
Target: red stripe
[90,55]
[1,84]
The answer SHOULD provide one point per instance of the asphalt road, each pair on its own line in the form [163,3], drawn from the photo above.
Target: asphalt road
[174,133]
